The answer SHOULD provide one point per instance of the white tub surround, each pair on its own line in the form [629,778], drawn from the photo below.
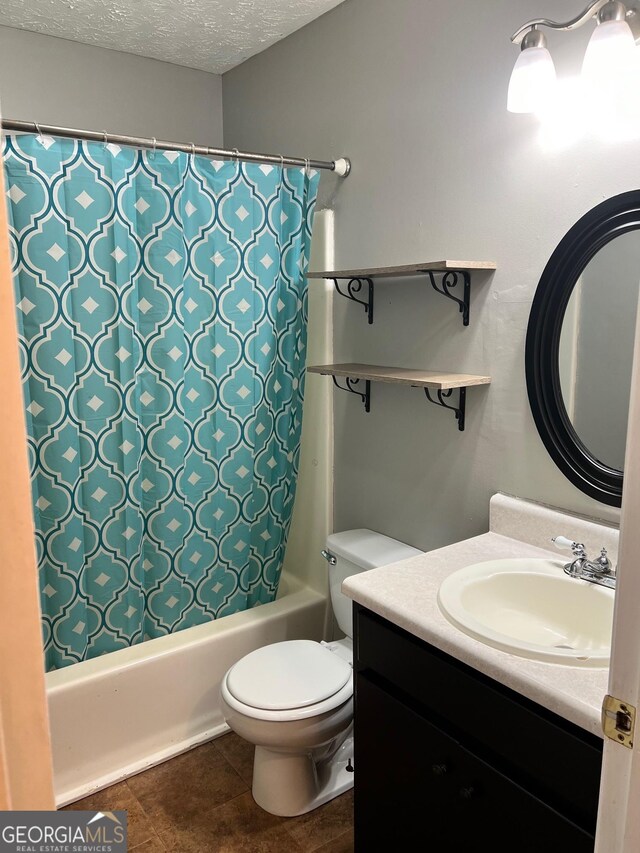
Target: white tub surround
[406,594]
[118,714]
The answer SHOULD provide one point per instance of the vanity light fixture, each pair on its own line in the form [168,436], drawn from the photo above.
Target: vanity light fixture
[611,54]
[533,77]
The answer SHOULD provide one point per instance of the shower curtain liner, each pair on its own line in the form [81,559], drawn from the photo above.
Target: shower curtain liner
[161,303]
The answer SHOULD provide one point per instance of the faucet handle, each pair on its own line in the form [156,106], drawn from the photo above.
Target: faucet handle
[565,544]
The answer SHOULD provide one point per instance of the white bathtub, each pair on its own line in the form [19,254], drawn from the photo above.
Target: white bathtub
[118,714]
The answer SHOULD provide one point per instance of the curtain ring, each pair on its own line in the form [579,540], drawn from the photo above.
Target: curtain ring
[307,164]
[281,181]
[193,150]
[105,140]
[37,127]
[235,155]
[153,148]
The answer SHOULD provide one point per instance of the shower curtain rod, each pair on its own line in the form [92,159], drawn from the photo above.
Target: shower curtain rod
[341,167]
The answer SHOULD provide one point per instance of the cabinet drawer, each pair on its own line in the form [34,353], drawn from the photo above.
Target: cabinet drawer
[552,758]
[417,788]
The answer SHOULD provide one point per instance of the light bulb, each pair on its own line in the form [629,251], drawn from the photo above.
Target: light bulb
[532,81]
[611,53]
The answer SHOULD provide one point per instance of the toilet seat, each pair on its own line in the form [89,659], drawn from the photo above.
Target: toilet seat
[293,680]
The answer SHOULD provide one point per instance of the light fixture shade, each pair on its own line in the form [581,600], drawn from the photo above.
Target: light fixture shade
[611,52]
[532,81]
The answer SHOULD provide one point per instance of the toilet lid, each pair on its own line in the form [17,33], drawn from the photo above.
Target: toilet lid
[293,674]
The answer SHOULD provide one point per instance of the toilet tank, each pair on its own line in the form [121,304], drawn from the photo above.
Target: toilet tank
[356,551]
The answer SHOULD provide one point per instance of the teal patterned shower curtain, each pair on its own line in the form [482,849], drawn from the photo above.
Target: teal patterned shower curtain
[161,301]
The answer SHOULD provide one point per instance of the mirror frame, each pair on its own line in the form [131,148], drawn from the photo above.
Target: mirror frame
[595,229]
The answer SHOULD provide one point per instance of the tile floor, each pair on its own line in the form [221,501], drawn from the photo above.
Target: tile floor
[200,802]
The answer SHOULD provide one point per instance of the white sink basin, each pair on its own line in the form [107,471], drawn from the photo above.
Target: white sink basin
[533,609]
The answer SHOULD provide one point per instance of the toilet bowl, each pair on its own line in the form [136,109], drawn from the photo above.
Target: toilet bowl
[294,700]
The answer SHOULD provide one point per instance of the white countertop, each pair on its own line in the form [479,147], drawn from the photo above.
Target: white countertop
[405,593]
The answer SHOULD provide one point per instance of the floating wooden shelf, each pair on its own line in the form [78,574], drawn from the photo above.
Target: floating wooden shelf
[451,271]
[406,270]
[430,380]
[435,379]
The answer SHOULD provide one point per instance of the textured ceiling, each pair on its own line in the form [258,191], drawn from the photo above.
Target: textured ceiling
[213,35]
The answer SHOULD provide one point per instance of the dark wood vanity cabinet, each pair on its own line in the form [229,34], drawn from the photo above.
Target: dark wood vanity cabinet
[451,761]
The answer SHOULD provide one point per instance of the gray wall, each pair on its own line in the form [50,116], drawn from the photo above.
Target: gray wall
[415,94]
[54,81]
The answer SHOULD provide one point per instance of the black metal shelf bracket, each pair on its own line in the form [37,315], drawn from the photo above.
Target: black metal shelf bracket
[365,395]
[451,279]
[458,410]
[354,286]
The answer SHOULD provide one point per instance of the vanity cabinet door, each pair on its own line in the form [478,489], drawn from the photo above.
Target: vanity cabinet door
[417,788]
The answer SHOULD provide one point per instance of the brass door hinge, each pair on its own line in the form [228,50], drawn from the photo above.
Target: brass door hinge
[618,720]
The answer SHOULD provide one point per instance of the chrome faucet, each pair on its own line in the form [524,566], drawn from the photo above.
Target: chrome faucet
[598,571]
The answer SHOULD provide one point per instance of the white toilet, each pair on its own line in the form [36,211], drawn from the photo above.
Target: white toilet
[294,700]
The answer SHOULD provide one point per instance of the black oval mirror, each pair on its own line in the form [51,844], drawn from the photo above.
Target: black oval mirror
[580,342]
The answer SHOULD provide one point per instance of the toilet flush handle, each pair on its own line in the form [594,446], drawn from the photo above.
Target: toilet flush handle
[329,557]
